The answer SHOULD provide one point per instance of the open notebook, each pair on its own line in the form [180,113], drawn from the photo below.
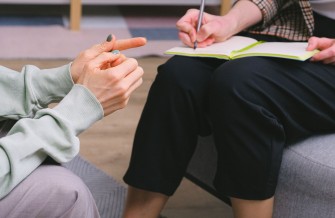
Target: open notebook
[240,46]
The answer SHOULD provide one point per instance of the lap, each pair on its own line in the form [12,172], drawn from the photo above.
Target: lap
[49,191]
[193,71]
[297,94]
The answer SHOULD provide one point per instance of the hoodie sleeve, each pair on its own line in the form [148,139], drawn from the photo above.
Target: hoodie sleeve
[41,131]
[24,93]
[50,132]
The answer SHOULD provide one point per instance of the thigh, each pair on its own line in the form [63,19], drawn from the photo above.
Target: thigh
[172,118]
[187,73]
[181,87]
[50,191]
[297,95]
[260,105]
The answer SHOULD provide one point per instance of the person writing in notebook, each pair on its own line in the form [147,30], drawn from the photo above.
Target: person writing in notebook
[34,138]
[253,106]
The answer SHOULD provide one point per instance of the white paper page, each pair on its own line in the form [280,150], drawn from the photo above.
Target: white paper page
[284,48]
[226,47]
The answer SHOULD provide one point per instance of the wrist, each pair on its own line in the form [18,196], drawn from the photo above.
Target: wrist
[50,85]
[237,15]
[233,25]
[73,73]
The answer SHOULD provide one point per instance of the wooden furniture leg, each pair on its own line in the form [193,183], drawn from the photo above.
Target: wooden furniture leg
[75,15]
[225,6]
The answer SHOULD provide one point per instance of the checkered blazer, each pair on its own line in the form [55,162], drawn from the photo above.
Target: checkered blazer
[290,19]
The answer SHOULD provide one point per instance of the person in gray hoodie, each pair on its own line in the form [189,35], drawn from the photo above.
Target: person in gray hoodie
[97,83]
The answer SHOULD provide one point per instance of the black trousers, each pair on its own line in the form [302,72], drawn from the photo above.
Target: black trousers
[254,107]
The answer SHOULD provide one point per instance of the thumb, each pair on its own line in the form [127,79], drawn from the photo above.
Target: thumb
[312,44]
[206,31]
[105,46]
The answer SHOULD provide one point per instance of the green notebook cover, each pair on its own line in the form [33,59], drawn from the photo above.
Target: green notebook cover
[240,46]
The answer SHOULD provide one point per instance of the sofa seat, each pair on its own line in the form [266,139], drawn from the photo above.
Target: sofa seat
[306,186]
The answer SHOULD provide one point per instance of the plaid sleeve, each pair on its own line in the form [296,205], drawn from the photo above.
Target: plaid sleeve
[290,19]
[269,9]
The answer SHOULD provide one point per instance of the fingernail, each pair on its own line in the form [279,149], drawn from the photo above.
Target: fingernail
[115,52]
[109,38]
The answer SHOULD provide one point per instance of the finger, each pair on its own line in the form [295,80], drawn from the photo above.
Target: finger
[124,68]
[97,49]
[320,43]
[188,23]
[191,17]
[329,61]
[312,43]
[204,33]
[324,54]
[123,44]
[185,38]
[134,86]
[114,63]
[103,60]
[188,29]
[105,46]
[119,60]
[325,43]
[207,30]
[207,42]
[131,83]
[134,76]
[112,44]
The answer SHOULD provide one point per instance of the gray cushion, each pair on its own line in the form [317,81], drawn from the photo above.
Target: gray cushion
[306,186]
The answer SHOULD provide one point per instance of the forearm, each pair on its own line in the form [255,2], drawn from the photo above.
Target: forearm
[52,132]
[23,93]
[244,14]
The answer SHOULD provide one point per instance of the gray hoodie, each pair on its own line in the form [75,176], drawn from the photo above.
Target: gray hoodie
[41,131]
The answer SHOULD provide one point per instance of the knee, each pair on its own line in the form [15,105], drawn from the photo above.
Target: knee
[70,189]
[238,78]
[170,72]
[180,72]
[67,193]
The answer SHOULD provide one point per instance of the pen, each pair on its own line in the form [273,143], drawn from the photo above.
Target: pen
[201,12]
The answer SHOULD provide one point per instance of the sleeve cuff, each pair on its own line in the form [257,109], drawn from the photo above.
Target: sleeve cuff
[81,108]
[268,9]
[50,85]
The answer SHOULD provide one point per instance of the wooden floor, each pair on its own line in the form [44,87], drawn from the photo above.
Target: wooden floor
[108,145]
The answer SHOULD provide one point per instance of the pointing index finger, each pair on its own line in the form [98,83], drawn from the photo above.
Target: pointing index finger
[124,44]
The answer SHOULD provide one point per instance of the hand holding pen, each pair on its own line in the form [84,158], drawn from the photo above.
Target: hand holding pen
[211,29]
[200,17]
